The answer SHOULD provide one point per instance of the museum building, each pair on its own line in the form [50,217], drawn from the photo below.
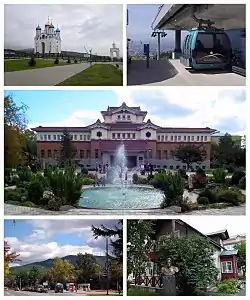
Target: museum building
[144,141]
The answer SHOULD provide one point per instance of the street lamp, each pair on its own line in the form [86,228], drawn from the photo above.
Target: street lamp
[159,34]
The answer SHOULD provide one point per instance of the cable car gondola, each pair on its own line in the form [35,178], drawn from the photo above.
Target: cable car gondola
[206,48]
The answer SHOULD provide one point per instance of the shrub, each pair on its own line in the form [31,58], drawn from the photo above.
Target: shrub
[230,169]
[201,172]
[25,175]
[228,286]
[173,189]
[210,195]
[161,171]
[199,181]
[183,173]
[142,180]
[242,183]
[135,178]
[56,62]
[88,181]
[236,177]
[159,181]
[219,175]
[69,61]
[84,171]
[35,191]
[229,196]
[117,66]
[203,200]
[75,61]
[32,62]
[28,204]
[12,195]
[54,204]
[150,177]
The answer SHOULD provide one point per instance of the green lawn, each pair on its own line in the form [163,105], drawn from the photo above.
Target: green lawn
[138,292]
[22,64]
[97,75]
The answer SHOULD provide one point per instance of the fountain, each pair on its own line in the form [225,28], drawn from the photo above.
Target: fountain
[121,194]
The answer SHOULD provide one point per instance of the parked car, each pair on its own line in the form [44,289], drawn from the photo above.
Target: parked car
[39,288]
[59,288]
[17,288]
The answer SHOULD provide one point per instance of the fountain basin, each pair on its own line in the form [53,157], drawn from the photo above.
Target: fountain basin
[115,197]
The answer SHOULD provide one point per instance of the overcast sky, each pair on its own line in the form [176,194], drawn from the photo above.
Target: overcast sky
[38,240]
[90,26]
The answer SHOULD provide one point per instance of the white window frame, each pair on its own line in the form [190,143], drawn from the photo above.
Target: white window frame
[225,264]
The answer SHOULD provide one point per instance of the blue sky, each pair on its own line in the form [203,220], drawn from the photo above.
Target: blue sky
[37,240]
[223,109]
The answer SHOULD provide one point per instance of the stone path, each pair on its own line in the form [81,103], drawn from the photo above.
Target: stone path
[21,210]
[43,76]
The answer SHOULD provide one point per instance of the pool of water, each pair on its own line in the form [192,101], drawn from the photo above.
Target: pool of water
[120,198]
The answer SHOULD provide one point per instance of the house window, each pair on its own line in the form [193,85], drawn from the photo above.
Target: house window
[198,138]
[55,153]
[42,153]
[185,138]
[188,138]
[172,138]
[54,137]
[175,138]
[80,137]
[58,137]
[118,135]
[113,136]
[49,153]
[118,117]
[96,153]
[81,153]
[75,137]
[192,138]
[179,137]
[202,138]
[41,137]
[227,267]
[133,136]
[49,137]
[158,137]
[205,138]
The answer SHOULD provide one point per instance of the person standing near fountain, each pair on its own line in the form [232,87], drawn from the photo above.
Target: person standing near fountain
[96,182]
[126,178]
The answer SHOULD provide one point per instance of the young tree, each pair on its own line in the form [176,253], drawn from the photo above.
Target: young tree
[62,271]
[68,149]
[241,262]
[115,233]
[9,257]
[34,275]
[85,267]
[139,245]
[189,154]
[28,144]
[194,257]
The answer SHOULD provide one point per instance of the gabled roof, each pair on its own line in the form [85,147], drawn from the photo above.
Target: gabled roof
[186,130]
[229,252]
[223,234]
[123,108]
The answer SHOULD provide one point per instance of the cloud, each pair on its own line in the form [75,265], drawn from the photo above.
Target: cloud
[39,244]
[90,26]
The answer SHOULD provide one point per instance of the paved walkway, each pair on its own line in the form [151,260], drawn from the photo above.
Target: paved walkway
[22,210]
[43,76]
[173,73]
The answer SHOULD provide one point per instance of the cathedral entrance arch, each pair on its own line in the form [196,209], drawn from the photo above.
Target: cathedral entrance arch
[43,48]
[114,50]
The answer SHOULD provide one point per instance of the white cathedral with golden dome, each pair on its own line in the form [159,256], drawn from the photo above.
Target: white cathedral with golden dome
[47,41]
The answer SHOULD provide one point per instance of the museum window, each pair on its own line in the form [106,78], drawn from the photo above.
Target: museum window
[88,137]
[45,137]
[179,137]
[81,153]
[41,137]
[118,117]
[177,167]
[88,153]
[184,167]
[192,138]
[84,137]
[42,153]
[158,154]
[49,137]
[188,138]
[113,136]
[226,267]
[123,117]
[49,153]
[175,138]
[202,138]
[75,137]
[149,153]
[128,117]
[162,138]
[171,167]
[205,138]
[198,138]
[118,135]
[54,137]
[133,136]
[96,153]
[185,138]
[172,138]
[55,153]
[165,152]
[71,137]
[166,138]
[128,135]
[158,137]
[80,137]
[123,135]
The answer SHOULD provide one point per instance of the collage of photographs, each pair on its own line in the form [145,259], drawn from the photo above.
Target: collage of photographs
[124,150]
